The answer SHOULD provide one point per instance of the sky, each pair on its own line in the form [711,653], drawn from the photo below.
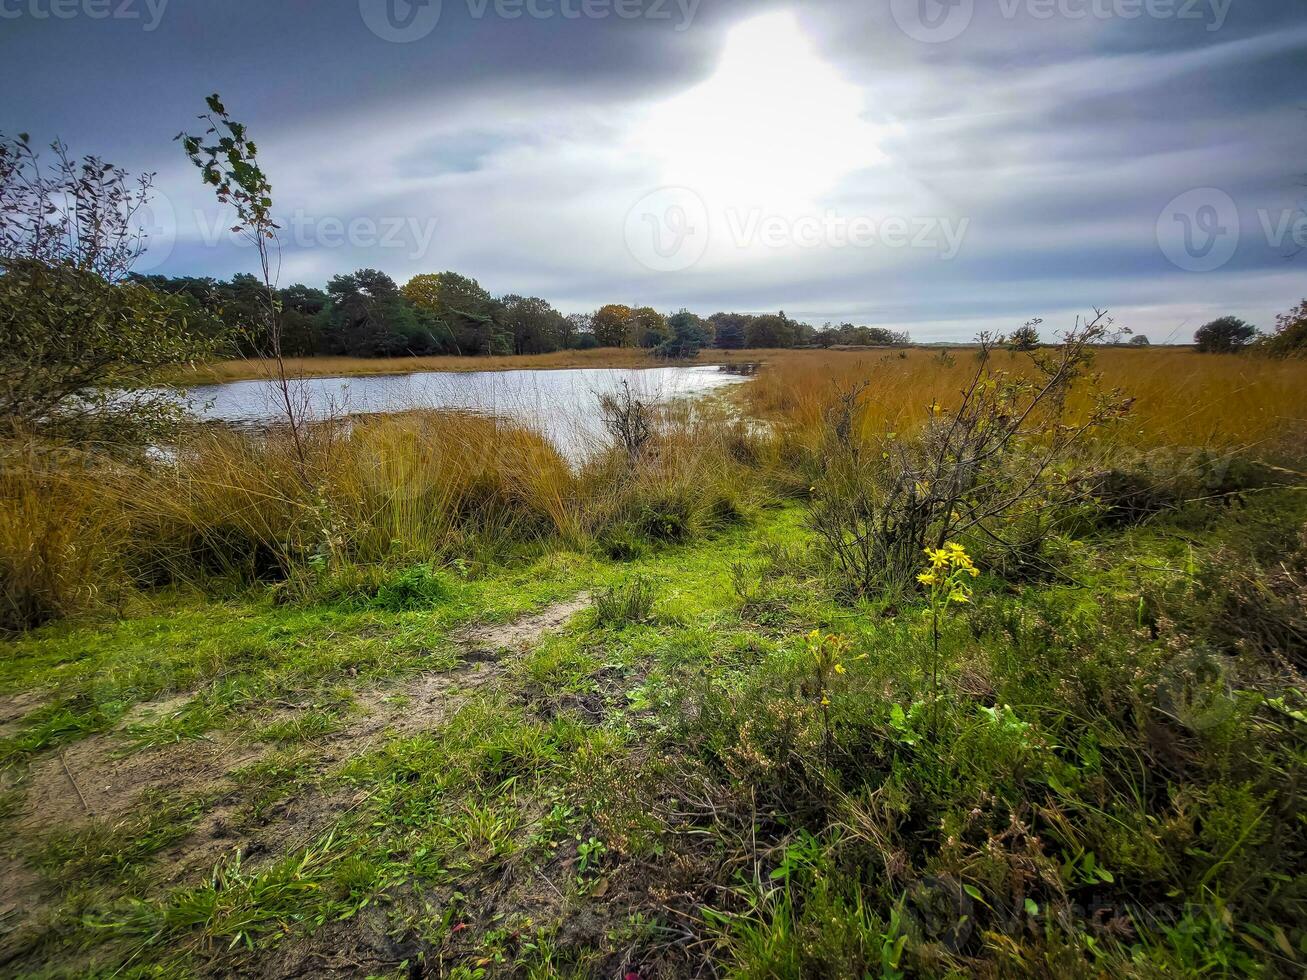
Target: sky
[935,166]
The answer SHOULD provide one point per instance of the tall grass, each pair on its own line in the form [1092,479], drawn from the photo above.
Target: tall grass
[1182,398]
[412,487]
[408,486]
[60,539]
[77,531]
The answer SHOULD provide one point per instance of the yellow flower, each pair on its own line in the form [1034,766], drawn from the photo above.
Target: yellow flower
[939,559]
[825,701]
[928,578]
[839,668]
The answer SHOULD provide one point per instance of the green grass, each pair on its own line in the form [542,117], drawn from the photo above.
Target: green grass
[653,790]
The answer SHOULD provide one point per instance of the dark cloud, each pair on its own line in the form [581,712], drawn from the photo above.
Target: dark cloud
[515,148]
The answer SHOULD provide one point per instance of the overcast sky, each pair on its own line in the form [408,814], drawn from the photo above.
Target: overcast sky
[940,167]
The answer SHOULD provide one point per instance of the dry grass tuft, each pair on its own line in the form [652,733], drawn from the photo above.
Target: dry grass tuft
[61,538]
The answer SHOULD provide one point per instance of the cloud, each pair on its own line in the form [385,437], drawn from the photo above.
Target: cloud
[515,151]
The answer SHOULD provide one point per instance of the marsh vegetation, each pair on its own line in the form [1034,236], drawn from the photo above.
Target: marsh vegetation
[901,662]
[423,696]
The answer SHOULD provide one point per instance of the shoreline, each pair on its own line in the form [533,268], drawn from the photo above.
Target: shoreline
[254,369]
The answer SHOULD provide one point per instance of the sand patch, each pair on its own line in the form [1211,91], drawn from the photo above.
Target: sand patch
[91,780]
[14,708]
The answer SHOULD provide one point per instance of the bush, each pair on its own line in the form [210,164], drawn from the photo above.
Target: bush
[628,420]
[419,587]
[1290,337]
[1262,610]
[78,352]
[1025,338]
[622,542]
[667,519]
[1129,496]
[1228,335]
[882,498]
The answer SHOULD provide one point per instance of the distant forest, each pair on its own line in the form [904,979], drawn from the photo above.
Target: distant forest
[367,314]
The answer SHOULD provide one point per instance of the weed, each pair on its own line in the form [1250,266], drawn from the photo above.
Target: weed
[417,588]
[625,604]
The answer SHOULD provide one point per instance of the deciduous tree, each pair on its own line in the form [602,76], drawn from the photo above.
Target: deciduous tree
[610,324]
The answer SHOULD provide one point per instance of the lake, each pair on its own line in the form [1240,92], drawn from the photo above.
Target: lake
[561,404]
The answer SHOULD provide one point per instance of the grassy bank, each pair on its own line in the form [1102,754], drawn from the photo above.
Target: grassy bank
[359,785]
[416,698]
[245,369]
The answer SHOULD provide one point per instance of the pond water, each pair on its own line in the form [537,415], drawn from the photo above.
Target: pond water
[560,404]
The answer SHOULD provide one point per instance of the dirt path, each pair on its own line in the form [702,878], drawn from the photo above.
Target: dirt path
[94,779]
[96,782]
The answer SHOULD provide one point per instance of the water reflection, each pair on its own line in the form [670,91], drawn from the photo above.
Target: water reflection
[563,405]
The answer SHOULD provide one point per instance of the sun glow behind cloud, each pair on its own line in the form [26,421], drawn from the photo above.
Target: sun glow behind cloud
[830,110]
[774,127]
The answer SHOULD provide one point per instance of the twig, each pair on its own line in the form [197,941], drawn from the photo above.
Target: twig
[69,773]
[542,877]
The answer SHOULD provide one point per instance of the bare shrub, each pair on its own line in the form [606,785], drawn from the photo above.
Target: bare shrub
[628,420]
[996,456]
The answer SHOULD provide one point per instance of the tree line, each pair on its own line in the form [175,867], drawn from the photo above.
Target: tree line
[367,314]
